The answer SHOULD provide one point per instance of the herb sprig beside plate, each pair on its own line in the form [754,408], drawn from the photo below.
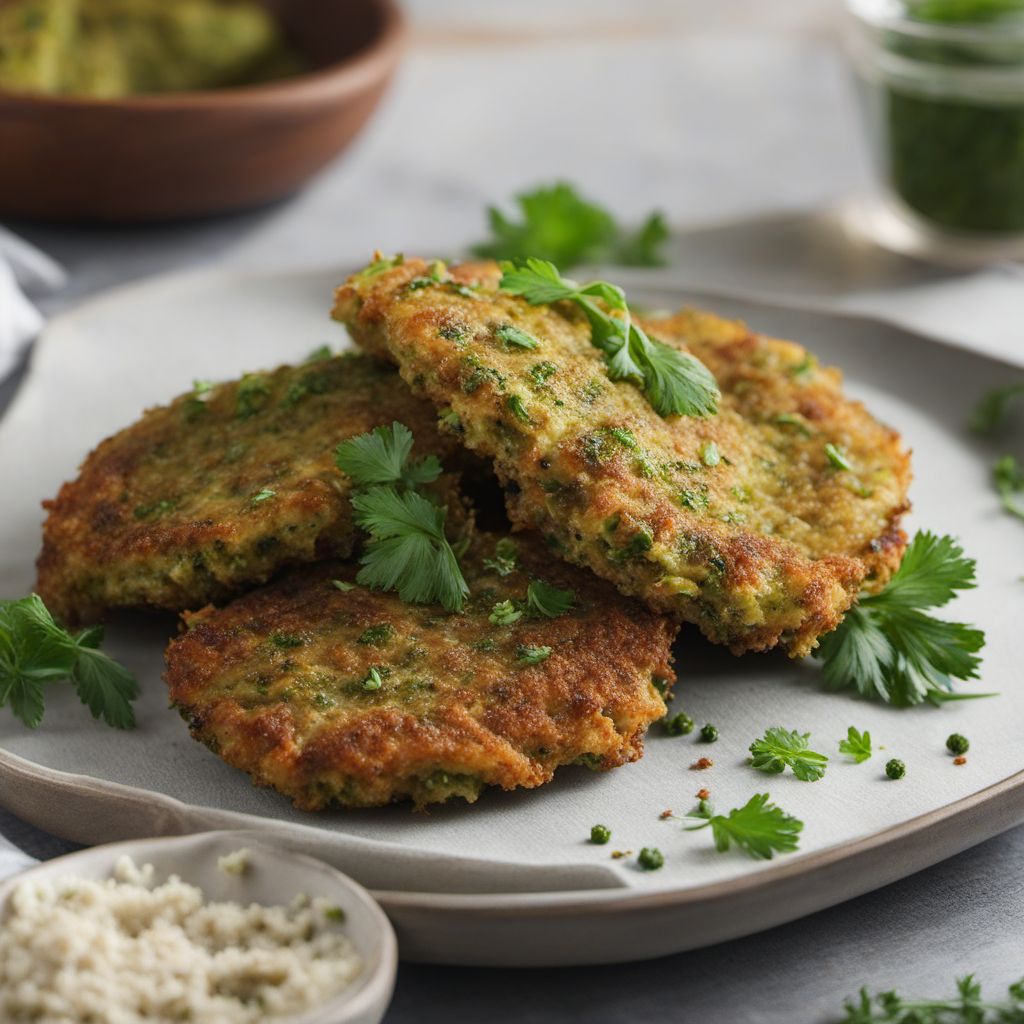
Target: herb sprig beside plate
[559,224]
[36,652]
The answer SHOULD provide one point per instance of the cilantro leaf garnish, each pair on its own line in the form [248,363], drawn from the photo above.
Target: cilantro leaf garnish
[782,748]
[675,383]
[889,647]
[558,224]
[857,745]
[409,551]
[381,456]
[759,828]
[544,600]
[966,1007]
[35,650]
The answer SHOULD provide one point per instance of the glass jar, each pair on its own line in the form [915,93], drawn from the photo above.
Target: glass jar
[942,83]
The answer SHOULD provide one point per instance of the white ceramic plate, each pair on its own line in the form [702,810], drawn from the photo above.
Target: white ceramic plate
[511,880]
[273,877]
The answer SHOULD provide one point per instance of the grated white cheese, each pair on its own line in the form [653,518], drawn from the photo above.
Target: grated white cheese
[126,950]
[236,862]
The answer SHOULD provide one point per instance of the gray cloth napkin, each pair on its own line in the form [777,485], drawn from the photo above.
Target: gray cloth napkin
[24,271]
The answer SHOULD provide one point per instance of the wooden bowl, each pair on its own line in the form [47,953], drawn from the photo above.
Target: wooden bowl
[177,155]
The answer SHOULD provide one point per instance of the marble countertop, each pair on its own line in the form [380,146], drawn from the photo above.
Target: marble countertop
[711,113]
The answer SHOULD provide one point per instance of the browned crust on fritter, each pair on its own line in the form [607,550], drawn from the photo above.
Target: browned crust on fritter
[108,541]
[450,717]
[768,548]
[751,370]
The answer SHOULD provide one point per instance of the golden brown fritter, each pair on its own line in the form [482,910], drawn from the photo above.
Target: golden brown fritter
[744,523]
[351,696]
[220,489]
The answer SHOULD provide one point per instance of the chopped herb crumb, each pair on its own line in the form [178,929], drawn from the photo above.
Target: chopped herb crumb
[505,560]
[373,681]
[895,769]
[709,733]
[600,834]
[542,372]
[515,404]
[261,496]
[709,454]
[504,613]
[837,457]
[377,635]
[547,601]
[532,655]
[512,335]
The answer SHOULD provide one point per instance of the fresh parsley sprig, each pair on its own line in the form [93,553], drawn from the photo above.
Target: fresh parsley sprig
[381,456]
[675,383]
[781,748]
[35,651]
[857,745]
[889,647]
[967,1007]
[560,225]
[408,550]
[759,827]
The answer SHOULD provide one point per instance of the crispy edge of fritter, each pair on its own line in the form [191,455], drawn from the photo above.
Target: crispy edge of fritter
[591,701]
[818,590]
[736,354]
[96,557]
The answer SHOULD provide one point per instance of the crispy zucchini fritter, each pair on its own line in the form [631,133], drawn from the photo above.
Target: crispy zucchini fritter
[352,697]
[220,489]
[744,523]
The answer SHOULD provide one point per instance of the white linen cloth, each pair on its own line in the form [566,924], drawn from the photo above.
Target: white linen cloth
[12,860]
[24,271]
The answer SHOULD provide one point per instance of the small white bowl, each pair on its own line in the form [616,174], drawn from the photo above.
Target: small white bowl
[273,877]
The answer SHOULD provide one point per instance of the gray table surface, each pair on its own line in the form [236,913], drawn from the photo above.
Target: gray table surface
[710,112]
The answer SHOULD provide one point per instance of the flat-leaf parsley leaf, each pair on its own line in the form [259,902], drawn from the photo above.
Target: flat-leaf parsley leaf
[675,383]
[857,745]
[35,650]
[408,551]
[381,456]
[558,224]
[889,647]
[759,828]
[783,747]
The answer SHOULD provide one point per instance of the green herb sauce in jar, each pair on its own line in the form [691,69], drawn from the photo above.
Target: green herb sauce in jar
[944,86]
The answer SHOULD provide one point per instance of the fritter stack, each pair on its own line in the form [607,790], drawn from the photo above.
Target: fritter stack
[338,693]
